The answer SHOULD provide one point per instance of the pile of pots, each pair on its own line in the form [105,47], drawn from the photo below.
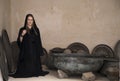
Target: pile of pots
[76,59]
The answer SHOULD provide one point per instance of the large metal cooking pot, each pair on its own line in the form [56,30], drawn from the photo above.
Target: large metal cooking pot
[76,63]
[111,64]
[111,69]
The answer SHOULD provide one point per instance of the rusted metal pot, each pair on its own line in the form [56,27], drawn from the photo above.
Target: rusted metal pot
[76,63]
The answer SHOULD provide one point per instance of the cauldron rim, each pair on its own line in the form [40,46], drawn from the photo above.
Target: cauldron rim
[82,56]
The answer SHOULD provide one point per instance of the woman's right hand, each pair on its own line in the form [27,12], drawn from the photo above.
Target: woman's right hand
[24,32]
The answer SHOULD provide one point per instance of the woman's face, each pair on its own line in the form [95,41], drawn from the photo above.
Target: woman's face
[29,21]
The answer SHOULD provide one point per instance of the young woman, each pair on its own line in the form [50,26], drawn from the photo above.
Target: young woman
[29,42]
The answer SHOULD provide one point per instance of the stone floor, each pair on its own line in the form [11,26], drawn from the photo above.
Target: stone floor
[52,76]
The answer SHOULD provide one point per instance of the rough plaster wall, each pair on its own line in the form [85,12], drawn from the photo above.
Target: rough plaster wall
[1,14]
[62,22]
[5,16]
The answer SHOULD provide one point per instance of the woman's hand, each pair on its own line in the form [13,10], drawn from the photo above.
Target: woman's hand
[24,32]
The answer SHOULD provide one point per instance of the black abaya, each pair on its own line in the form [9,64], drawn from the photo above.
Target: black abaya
[29,63]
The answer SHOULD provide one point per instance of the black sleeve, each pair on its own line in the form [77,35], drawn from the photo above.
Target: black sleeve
[40,42]
[18,38]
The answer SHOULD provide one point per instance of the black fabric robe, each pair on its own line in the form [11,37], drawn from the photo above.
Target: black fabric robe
[29,63]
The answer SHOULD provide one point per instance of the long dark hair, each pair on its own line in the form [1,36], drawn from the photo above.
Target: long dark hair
[34,26]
